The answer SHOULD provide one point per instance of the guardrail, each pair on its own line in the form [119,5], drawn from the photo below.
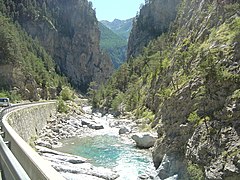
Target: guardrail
[9,165]
[11,168]
[19,160]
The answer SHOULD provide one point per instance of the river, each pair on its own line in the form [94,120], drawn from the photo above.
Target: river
[105,148]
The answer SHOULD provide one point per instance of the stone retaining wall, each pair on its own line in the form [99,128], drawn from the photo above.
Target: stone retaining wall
[19,124]
[28,121]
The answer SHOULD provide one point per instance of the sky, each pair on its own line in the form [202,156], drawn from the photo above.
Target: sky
[116,9]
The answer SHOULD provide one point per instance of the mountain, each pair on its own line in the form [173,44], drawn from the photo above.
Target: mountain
[153,20]
[120,27]
[26,70]
[68,31]
[183,80]
[114,39]
[113,44]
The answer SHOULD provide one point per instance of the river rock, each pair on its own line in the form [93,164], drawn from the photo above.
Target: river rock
[71,166]
[92,124]
[144,140]
[175,177]
[124,130]
[42,143]
[96,126]
[79,176]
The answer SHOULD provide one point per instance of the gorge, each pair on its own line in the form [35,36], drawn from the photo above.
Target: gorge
[181,79]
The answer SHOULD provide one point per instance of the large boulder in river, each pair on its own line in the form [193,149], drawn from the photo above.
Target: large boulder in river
[96,126]
[124,130]
[144,140]
[92,124]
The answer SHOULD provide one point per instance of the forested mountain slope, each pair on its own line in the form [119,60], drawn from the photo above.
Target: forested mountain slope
[186,83]
[26,70]
[120,27]
[113,44]
[68,30]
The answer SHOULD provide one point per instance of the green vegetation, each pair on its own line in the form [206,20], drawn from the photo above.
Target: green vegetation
[113,44]
[195,172]
[173,62]
[236,94]
[62,107]
[25,64]
[27,59]
[12,95]
[66,94]
[193,117]
[120,27]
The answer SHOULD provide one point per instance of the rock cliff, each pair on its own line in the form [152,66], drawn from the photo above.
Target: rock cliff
[198,125]
[68,30]
[25,67]
[153,20]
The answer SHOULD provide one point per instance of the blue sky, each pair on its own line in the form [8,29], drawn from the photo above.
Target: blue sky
[119,9]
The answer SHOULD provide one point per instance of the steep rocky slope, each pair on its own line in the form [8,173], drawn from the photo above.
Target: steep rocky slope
[68,30]
[203,110]
[26,69]
[153,20]
[187,84]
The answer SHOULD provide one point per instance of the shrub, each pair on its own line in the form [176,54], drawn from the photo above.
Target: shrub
[13,96]
[193,117]
[195,172]
[66,94]
[4,94]
[117,102]
[62,106]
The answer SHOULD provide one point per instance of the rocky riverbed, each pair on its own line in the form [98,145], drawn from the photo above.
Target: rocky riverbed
[80,125]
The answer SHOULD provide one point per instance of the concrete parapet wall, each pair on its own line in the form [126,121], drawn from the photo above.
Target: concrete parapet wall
[29,120]
[20,124]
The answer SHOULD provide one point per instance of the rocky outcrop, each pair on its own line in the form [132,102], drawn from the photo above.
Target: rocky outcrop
[92,124]
[198,124]
[153,20]
[144,140]
[68,30]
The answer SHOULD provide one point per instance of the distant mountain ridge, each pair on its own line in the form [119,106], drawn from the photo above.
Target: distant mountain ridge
[120,27]
[113,44]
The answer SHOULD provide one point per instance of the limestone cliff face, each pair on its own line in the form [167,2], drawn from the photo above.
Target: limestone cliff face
[153,20]
[69,32]
[198,125]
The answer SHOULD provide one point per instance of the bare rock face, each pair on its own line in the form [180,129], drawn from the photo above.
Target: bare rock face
[71,36]
[199,133]
[154,19]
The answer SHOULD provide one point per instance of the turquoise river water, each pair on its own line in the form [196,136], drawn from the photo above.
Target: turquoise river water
[111,152]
